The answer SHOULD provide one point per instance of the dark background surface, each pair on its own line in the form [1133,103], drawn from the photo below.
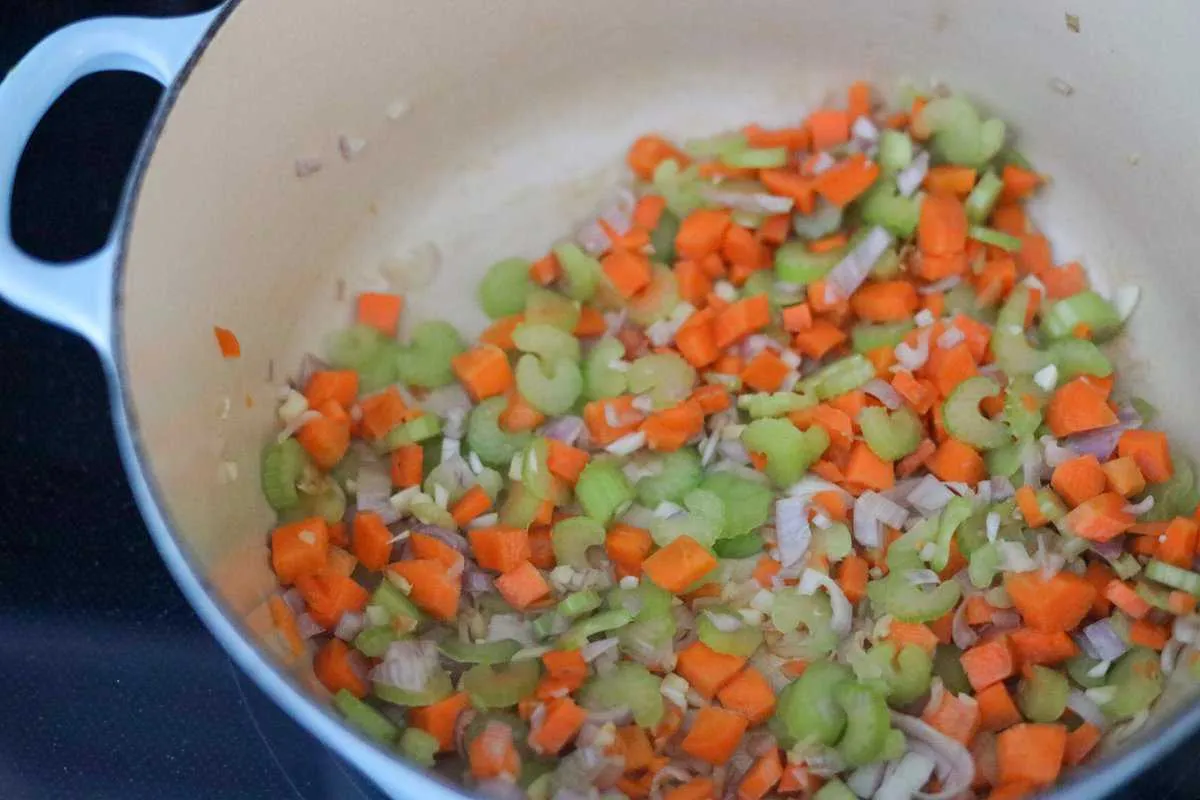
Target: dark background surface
[113,688]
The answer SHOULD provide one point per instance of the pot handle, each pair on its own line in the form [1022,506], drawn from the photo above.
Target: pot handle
[77,295]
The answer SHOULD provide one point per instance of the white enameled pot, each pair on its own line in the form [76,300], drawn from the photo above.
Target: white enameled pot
[301,144]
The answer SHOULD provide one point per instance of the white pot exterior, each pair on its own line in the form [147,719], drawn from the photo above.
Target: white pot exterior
[518,117]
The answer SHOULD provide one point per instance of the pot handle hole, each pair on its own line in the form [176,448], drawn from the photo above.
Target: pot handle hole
[78,295]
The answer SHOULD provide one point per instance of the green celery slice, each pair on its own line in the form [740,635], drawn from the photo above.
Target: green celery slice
[965,422]
[505,287]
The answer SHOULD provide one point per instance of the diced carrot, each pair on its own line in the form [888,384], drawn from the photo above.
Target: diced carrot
[1010,218]
[565,461]
[740,247]
[714,735]
[562,721]
[942,228]
[625,419]
[1013,790]
[541,547]
[919,395]
[627,547]
[380,311]
[695,789]
[493,754]
[829,128]
[1030,509]
[1151,452]
[382,412]
[847,180]
[474,503]
[1057,603]
[741,319]
[916,460]
[1124,476]
[997,710]
[858,100]
[671,428]
[648,152]
[326,438]
[867,470]
[1149,634]
[407,465]
[484,371]
[519,415]
[765,569]
[694,284]
[340,386]
[749,694]
[696,339]
[372,544]
[678,565]
[947,368]
[284,621]
[227,342]
[341,561]
[915,633]
[433,590]
[791,138]
[957,717]
[852,574]
[957,461]
[499,333]
[1064,281]
[522,586]
[591,323]
[1029,752]
[797,318]
[1078,406]
[1080,743]
[706,670]
[885,301]
[635,747]
[761,777]
[430,547]
[335,668]
[988,662]
[628,272]
[1018,183]
[938,266]
[1078,479]
[299,548]
[546,270]
[1181,603]
[947,179]
[647,211]
[1101,518]
[329,595]
[712,398]
[819,338]
[774,229]
[1123,596]
[440,718]
[500,548]
[1034,257]
[701,233]
[786,183]
[765,372]
[995,280]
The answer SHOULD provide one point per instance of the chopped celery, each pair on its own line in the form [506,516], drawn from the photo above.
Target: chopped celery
[581,271]
[650,640]
[438,687]
[1087,308]
[1079,667]
[419,746]
[414,431]
[1173,576]
[551,387]
[283,465]
[972,534]
[499,652]
[835,541]
[629,685]
[834,789]
[374,642]
[883,205]
[359,347]
[1005,461]
[581,631]
[703,528]
[891,435]
[954,514]
[602,490]
[1176,496]
[425,361]
[500,686]
[667,377]
[1023,402]
[716,146]
[947,665]
[578,603]
[1075,357]
[662,238]
[642,601]
[573,537]
[960,136]
[866,336]
[789,451]
[402,612]
[1138,680]
[1153,594]
[813,616]
[520,508]
[756,158]
[826,219]
[1042,695]
[844,375]
[867,723]
[658,300]
[965,422]
[679,473]
[774,404]
[807,708]
[680,187]
[545,625]
[747,503]
[1014,354]
[742,641]
[537,477]
[505,287]
[365,718]
[740,546]
[913,675]
[897,596]
[896,151]
[546,341]
[995,238]
[493,445]
[1126,566]
[544,307]
[984,565]
[889,265]
[795,263]
[599,378]
[983,197]
[962,300]
[1144,408]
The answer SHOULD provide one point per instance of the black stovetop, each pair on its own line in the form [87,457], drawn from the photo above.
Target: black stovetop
[114,688]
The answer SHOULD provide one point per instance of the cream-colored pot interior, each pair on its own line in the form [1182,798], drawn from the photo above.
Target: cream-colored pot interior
[491,128]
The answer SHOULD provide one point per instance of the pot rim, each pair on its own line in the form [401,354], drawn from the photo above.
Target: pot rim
[382,766]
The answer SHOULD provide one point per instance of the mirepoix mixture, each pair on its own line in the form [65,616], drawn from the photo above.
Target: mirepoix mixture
[799,472]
